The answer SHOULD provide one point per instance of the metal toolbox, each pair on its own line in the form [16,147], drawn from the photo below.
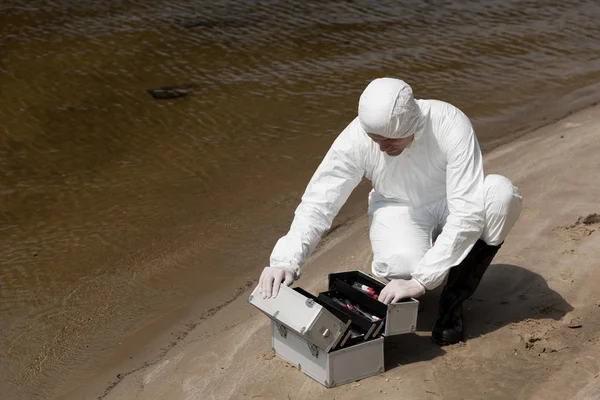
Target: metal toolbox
[329,369]
[338,336]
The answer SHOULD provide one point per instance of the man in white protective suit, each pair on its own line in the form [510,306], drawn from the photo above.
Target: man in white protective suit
[434,217]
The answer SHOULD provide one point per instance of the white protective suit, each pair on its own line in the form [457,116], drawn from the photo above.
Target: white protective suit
[434,191]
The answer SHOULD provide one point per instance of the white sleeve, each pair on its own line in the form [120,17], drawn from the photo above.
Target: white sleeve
[464,192]
[329,188]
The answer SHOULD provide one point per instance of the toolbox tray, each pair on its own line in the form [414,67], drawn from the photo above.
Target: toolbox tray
[399,318]
[359,322]
[356,324]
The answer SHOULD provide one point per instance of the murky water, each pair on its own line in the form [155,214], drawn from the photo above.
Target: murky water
[116,208]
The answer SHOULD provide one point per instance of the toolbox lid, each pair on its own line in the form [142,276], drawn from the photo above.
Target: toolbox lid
[400,318]
[302,315]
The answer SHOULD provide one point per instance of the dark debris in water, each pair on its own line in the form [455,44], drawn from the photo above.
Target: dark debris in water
[166,93]
[170,92]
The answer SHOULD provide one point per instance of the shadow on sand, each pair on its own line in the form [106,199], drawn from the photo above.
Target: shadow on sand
[506,294]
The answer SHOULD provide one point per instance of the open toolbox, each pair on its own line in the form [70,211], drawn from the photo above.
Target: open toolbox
[337,336]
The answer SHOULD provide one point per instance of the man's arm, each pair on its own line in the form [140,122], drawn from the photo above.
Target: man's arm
[464,192]
[329,188]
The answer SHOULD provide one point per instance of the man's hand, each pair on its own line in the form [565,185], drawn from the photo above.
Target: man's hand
[399,289]
[272,277]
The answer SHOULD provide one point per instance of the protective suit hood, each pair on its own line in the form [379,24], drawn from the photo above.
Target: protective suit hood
[388,108]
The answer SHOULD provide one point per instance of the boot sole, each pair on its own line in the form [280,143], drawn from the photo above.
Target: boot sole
[446,339]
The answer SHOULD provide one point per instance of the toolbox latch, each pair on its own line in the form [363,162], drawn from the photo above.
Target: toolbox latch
[314,350]
[282,330]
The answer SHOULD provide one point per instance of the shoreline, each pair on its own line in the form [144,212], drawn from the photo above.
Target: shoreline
[326,250]
[585,98]
[168,332]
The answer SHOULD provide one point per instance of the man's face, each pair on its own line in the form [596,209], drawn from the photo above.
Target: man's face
[392,147]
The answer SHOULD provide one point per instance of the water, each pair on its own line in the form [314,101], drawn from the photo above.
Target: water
[116,208]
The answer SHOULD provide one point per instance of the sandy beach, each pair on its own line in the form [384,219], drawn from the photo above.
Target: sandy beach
[533,325]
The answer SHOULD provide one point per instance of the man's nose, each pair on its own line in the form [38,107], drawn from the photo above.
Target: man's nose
[383,146]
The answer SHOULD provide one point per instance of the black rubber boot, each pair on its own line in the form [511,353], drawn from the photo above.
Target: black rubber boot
[463,279]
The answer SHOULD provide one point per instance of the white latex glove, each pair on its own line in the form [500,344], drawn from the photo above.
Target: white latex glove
[272,277]
[398,289]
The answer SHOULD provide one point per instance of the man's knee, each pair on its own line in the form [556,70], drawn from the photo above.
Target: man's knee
[500,193]
[503,203]
[399,264]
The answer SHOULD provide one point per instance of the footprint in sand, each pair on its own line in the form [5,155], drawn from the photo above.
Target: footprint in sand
[584,226]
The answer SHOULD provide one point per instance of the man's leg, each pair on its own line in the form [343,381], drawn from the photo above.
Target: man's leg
[400,237]
[502,209]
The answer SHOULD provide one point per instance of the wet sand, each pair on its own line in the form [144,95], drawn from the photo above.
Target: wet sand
[533,324]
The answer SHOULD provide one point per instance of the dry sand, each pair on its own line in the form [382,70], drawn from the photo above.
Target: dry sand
[533,325]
